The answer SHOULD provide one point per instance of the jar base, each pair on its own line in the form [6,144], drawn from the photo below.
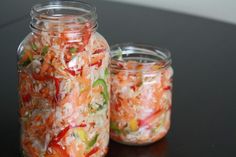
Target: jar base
[138,144]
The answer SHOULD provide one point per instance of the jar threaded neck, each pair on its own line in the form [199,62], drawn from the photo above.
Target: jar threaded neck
[60,16]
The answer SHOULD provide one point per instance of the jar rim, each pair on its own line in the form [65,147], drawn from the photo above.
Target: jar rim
[142,54]
[63,12]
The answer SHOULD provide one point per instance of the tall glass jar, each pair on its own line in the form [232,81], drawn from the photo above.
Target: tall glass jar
[64,83]
[141,83]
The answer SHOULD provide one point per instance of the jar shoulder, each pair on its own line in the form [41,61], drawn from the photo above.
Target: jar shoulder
[24,43]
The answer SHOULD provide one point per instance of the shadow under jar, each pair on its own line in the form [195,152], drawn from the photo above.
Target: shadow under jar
[141,85]
[64,83]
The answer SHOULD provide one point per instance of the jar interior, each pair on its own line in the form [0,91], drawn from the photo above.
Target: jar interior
[139,54]
[71,15]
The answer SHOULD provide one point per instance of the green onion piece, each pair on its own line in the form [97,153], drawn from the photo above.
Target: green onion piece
[45,50]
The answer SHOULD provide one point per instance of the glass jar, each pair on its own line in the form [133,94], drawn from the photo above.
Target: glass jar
[141,84]
[64,83]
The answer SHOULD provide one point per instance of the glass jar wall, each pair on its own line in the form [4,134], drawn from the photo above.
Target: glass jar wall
[64,83]
[141,84]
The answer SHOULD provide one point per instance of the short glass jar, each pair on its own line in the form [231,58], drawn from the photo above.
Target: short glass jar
[141,93]
[64,83]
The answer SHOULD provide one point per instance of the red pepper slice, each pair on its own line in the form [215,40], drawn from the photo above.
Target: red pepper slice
[93,151]
[26,98]
[98,51]
[73,73]
[167,88]
[57,85]
[99,63]
[148,119]
[56,139]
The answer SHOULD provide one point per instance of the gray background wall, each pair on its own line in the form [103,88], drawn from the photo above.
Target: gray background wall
[222,10]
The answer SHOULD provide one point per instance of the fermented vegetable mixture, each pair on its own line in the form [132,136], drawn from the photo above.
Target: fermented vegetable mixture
[140,100]
[64,93]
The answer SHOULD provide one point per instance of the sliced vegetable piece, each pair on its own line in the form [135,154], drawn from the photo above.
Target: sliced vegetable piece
[56,139]
[73,50]
[115,128]
[82,134]
[34,46]
[93,151]
[45,50]
[92,141]
[57,86]
[106,73]
[133,124]
[98,63]
[148,119]
[105,93]
[98,51]
[26,58]
[26,98]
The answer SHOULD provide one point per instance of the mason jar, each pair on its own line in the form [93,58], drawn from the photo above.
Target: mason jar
[64,83]
[141,84]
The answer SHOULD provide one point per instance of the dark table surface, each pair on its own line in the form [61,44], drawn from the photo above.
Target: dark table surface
[204,59]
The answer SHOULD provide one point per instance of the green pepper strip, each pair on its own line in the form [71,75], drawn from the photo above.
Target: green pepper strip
[105,93]
[28,60]
[106,73]
[73,50]
[92,142]
[34,47]
[115,128]
[45,50]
